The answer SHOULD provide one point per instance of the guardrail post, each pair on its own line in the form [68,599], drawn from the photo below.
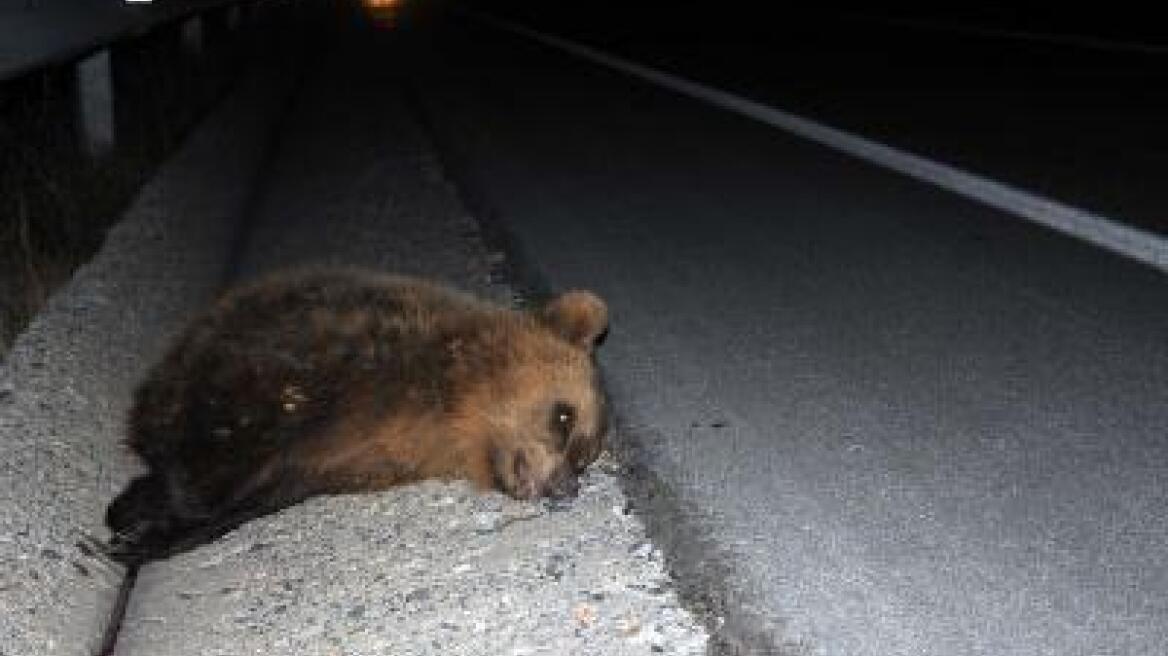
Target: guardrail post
[192,35]
[95,104]
[234,17]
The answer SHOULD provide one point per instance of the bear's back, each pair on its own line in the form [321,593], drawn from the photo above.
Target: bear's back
[286,356]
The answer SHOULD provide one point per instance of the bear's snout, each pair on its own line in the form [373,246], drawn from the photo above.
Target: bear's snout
[520,474]
[562,484]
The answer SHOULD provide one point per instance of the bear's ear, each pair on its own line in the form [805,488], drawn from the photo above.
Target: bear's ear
[580,317]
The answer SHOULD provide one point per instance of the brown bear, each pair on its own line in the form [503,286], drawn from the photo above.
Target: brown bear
[327,381]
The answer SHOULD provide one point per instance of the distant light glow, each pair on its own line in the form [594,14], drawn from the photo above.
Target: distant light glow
[383,12]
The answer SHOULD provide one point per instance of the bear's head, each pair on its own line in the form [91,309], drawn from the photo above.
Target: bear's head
[541,409]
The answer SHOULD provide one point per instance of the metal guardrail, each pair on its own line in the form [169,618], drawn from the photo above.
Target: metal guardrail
[37,35]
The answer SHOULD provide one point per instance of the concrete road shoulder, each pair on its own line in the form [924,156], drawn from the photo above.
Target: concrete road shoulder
[65,384]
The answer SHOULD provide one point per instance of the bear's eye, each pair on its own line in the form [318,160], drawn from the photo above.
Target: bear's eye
[563,421]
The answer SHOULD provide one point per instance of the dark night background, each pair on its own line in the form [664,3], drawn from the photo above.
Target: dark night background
[1067,102]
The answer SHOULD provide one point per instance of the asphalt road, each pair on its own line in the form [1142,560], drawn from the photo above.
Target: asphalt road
[1067,104]
[895,421]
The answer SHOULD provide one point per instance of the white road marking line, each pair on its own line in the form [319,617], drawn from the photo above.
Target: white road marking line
[1096,229]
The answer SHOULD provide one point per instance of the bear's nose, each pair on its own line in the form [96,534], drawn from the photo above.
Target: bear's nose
[563,484]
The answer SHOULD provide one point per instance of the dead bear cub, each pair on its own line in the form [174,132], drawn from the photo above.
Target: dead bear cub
[333,381]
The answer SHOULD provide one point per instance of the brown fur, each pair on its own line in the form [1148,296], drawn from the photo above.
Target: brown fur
[334,381]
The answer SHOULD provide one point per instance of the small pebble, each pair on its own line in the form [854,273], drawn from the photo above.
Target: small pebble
[585,615]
